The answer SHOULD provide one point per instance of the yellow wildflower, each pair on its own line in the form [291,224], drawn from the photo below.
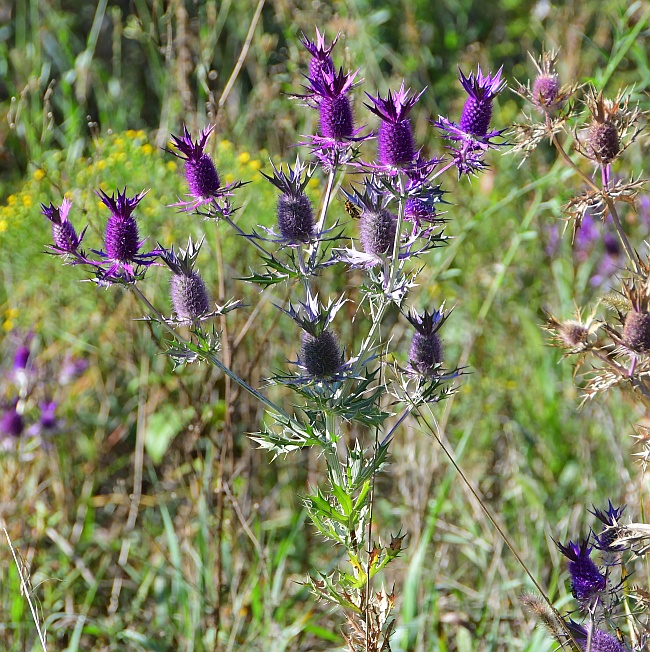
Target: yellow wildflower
[39,174]
[147,149]
[244,157]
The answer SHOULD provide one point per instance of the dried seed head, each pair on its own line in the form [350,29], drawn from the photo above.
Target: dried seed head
[295,218]
[189,296]
[377,231]
[636,331]
[321,354]
[603,142]
[573,333]
[545,92]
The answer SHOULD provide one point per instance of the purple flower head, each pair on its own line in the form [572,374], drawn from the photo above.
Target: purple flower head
[586,580]
[481,89]
[420,205]
[425,352]
[295,213]
[72,367]
[330,89]
[48,420]
[11,423]
[601,641]
[21,357]
[395,137]
[321,355]
[321,60]
[609,519]
[121,239]
[200,172]
[471,135]
[188,292]
[64,236]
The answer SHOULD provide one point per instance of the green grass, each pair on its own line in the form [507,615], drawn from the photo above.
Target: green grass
[110,574]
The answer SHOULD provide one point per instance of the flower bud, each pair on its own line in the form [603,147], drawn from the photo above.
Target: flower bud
[321,354]
[377,231]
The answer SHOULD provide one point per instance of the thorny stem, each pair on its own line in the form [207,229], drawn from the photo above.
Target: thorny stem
[215,361]
[331,451]
[629,251]
[498,528]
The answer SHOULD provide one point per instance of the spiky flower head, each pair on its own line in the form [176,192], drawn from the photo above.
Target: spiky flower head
[612,129]
[321,354]
[200,172]
[188,292]
[598,640]
[395,137]
[586,580]
[636,328]
[481,90]
[425,352]
[321,59]
[121,239]
[422,198]
[330,89]
[546,93]
[64,236]
[21,357]
[295,213]
[11,423]
[609,518]
[573,335]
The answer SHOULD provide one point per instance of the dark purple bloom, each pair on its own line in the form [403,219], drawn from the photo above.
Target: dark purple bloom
[321,354]
[586,580]
[477,112]
[121,240]
[295,213]
[11,423]
[64,236]
[200,171]
[336,120]
[601,641]
[425,352]
[377,231]
[188,292]
[395,137]
[321,60]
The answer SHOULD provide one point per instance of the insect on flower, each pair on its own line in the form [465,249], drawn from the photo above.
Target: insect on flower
[352,210]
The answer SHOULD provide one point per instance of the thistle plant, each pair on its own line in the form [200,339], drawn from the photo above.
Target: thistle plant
[347,401]
[591,135]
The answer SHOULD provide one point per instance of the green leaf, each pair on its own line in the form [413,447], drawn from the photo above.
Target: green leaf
[162,428]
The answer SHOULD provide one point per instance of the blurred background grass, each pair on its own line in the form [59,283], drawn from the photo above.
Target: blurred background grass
[91,92]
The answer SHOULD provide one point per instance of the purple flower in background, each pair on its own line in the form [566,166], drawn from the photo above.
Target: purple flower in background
[396,147]
[64,236]
[321,61]
[471,135]
[121,240]
[71,367]
[586,580]
[21,357]
[48,420]
[11,423]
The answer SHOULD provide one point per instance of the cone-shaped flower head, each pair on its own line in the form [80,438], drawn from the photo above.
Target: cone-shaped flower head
[321,354]
[64,236]
[425,352]
[377,231]
[11,423]
[420,206]
[396,147]
[121,239]
[545,91]
[321,60]
[586,580]
[200,171]
[188,292]
[330,90]
[636,328]
[601,641]
[481,90]
[295,212]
